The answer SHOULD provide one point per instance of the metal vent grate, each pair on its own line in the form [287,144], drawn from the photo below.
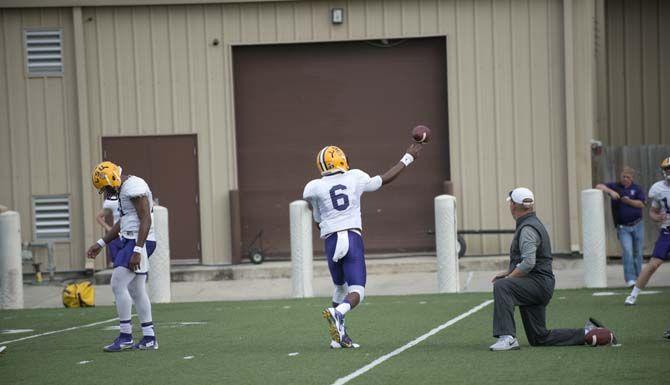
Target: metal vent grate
[44,52]
[52,217]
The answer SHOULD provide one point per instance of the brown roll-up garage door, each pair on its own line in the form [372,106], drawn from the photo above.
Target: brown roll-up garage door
[292,100]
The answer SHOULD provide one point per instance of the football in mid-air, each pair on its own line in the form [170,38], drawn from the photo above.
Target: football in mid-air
[599,336]
[421,134]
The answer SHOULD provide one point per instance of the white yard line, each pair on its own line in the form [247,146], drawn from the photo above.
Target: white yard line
[344,380]
[59,331]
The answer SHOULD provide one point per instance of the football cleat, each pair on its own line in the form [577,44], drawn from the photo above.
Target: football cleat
[122,342]
[147,343]
[350,344]
[347,342]
[335,324]
[505,343]
[331,159]
[666,334]
[630,300]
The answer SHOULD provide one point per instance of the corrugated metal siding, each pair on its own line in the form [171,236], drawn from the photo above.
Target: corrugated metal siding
[38,136]
[153,70]
[638,73]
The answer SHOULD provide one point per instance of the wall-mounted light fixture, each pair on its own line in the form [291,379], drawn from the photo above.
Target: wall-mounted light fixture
[337,15]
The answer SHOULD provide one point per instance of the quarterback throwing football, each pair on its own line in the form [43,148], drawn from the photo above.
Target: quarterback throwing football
[131,261]
[335,201]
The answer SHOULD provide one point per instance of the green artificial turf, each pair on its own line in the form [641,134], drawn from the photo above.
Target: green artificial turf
[251,342]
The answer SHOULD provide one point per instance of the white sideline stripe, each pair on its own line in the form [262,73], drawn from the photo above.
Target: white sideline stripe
[383,358]
[60,331]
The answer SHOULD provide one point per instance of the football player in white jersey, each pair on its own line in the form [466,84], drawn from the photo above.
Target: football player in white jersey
[336,206]
[659,195]
[131,262]
[110,208]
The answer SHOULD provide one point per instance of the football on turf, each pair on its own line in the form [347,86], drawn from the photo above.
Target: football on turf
[599,336]
[421,134]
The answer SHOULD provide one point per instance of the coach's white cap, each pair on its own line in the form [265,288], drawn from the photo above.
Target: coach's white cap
[521,196]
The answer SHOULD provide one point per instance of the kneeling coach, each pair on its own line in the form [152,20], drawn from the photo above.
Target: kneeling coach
[528,283]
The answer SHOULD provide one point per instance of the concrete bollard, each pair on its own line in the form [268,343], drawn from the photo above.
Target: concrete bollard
[445,244]
[11,270]
[159,262]
[593,239]
[301,249]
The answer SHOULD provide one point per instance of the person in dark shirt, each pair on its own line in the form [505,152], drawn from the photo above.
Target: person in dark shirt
[627,203]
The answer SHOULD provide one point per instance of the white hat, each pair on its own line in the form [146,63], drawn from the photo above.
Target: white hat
[521,196]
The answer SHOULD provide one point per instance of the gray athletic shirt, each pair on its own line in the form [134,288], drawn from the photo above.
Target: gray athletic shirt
[529,240]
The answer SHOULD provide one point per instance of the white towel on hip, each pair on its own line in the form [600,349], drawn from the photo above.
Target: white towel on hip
[342,246]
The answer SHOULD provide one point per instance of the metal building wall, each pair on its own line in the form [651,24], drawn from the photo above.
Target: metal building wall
[39,141]
[155,70]
[636,74]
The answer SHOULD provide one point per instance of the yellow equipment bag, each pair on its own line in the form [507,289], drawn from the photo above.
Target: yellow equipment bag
[79,294]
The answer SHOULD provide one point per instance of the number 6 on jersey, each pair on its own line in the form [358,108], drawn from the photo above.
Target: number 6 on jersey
[341,200]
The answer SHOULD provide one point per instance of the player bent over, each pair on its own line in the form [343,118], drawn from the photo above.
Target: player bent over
[336,203]
[659,195]
[131,262]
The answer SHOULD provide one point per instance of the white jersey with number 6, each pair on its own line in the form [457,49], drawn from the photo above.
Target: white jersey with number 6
[336,199]
[659,195]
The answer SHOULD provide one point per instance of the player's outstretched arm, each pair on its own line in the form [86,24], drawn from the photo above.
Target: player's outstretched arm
[412,153]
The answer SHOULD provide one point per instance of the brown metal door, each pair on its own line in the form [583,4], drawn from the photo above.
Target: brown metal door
[292,100]
[169,164]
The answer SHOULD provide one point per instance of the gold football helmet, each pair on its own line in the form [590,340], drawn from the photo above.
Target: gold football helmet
[665,168]
[106,174]
[331,159]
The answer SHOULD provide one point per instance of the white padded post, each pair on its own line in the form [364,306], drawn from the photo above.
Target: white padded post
[159,262]
[445,244]
[11,271]
[301,249]
[593,238]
